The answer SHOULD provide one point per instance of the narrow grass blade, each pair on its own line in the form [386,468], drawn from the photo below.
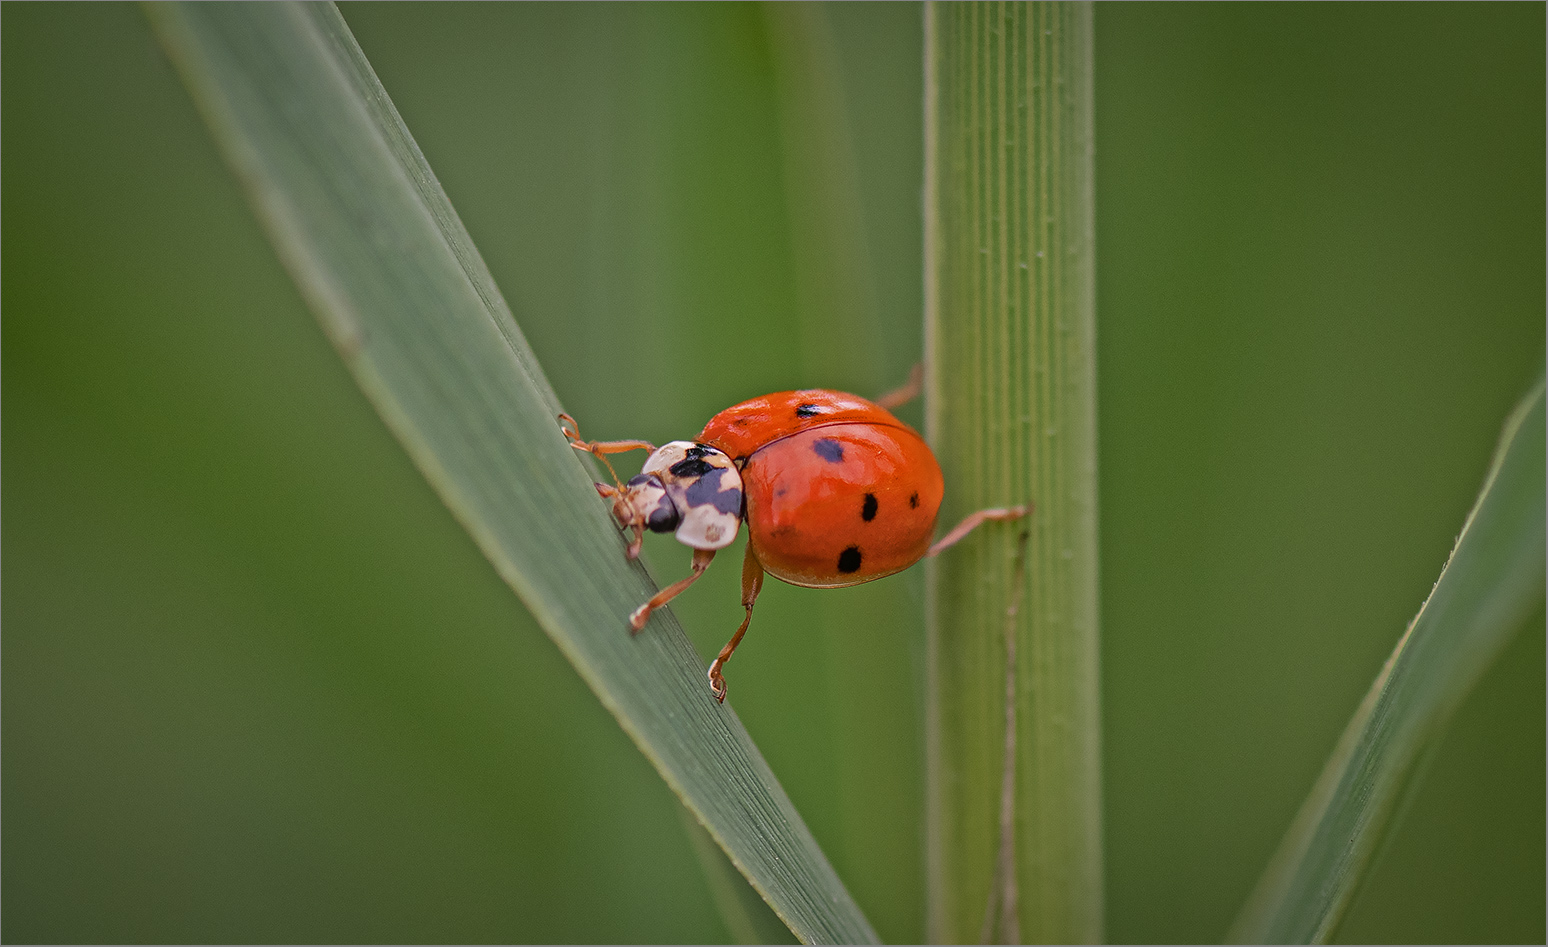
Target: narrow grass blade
[360,221]
[1491,584]
[1013,853]
[837,315]
[746,916]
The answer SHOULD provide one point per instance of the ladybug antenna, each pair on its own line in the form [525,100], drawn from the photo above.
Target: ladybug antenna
[609,465]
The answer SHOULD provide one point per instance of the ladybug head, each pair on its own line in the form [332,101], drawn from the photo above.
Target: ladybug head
[643,504]
[684,488]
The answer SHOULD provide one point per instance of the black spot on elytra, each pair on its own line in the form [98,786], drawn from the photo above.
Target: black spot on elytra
[829,449]
[692,467]
[638,479]
[807,410]
[913,501]
[849,560]
[741,422]
[868,511]
[706,490]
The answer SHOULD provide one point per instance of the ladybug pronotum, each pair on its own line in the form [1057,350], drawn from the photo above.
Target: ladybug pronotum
[834,489]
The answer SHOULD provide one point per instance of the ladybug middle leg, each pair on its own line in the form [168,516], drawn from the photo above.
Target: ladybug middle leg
[752,584]
[701,561]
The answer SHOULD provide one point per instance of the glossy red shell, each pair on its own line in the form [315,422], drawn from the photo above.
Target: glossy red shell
[838,490]
[741,429]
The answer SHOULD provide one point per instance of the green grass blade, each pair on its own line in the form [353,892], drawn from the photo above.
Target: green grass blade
[1010,330]
[746,916]
[837,315]
[1490,585]
[363,226]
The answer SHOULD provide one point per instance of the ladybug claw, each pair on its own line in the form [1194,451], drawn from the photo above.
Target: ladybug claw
[639,617]
[571,431]
[717,684]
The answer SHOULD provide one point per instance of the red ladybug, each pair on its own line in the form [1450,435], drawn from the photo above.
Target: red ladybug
[835,491]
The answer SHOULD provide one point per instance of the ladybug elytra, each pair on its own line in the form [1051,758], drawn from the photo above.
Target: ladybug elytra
[835,491]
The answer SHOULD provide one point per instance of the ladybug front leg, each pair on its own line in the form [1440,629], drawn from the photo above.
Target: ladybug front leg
[752,584]
[641,615]
[972,522]
[600,449]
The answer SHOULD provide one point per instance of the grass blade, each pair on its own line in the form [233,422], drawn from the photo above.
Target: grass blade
[1010,331]
[363,226]
[837,311]
[746,916]
[1492,582]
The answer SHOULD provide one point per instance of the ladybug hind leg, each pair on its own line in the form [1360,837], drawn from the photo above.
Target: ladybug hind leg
[909,390]
[972,522]
[752,584]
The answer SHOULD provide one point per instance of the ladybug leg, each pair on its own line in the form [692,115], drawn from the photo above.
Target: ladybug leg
[612,447]
[571,431]
[752,584]
[973,521]
[600,449]
[898,397]
[701,561]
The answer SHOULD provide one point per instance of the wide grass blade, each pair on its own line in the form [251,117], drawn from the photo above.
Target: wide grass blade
[362,224]
[1014,805]
[1491,584]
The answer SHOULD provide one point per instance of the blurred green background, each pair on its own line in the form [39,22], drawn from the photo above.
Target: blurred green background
[258,686]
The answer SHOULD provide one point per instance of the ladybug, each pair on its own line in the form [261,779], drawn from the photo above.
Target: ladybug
[834,489]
